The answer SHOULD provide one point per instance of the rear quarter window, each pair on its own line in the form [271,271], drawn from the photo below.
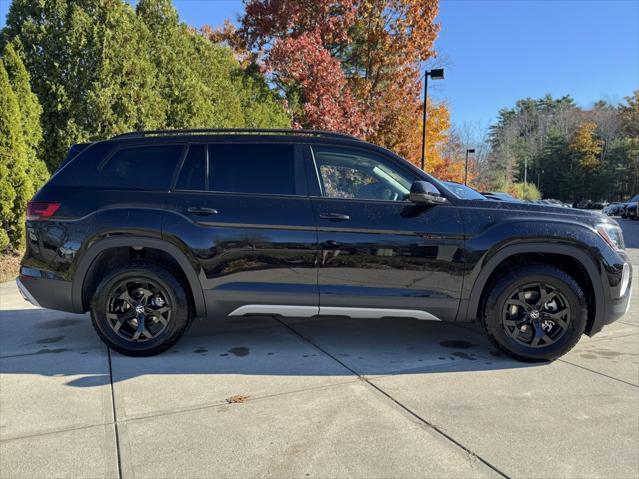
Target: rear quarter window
[141,168]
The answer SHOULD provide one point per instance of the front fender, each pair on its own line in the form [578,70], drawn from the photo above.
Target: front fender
[485,252]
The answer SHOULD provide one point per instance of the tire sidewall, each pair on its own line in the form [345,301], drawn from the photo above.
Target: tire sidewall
[177,300]
[576,325]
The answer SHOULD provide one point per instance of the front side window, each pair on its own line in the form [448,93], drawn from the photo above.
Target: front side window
[353,174]
[144,168]
[252,168]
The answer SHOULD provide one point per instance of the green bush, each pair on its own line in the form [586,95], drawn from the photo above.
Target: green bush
[525,191]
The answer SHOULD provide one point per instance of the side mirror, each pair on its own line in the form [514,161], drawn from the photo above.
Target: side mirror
[424,193]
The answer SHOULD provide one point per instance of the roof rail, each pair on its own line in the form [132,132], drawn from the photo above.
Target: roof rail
[245,131]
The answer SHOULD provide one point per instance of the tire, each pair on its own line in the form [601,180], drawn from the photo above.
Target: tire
[503,312]
[157,328]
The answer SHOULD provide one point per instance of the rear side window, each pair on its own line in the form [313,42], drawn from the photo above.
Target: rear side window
[144,168]
[259,168]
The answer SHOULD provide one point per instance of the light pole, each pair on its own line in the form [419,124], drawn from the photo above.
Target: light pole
[435,74]
[468,150]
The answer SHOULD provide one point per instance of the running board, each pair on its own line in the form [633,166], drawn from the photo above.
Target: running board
[310,311]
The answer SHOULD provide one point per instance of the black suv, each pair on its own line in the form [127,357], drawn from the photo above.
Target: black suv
[150,230]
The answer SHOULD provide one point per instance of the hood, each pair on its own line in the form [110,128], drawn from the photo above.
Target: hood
[523,209]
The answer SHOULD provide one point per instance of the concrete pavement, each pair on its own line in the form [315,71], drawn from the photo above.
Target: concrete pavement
[313,398]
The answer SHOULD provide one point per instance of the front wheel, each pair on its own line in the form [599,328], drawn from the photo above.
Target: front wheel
[535,313]
[140,309]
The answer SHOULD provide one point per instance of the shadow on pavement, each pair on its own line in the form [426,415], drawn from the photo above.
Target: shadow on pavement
[49,343]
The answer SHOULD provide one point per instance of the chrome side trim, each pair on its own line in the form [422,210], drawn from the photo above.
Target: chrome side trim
[310,311]
[25,293]
[377,313]
[279,309]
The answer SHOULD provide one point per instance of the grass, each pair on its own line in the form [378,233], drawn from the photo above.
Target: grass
[9,266]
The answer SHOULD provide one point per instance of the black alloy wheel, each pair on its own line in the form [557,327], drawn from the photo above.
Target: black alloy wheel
[140,309]
[536,315]
[535,312]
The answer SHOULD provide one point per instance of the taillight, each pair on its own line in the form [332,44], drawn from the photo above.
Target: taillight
[37,210]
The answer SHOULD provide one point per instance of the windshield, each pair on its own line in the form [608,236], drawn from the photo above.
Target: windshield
[463,192]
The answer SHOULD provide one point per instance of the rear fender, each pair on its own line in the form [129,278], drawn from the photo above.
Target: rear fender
[99,246]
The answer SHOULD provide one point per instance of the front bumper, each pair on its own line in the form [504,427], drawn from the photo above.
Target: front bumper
[618,299]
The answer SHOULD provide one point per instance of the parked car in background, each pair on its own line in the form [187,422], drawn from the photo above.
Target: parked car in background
[623,208]
[599,205]
[583,204]
[612,209]
[150,230]
[631,208]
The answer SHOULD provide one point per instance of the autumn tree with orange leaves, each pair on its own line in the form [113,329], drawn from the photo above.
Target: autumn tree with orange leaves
[351,66]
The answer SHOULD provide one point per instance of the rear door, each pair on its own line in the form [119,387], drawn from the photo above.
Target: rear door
[381,255]
[244,215]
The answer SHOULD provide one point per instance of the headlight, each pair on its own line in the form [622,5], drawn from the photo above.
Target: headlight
[612,235]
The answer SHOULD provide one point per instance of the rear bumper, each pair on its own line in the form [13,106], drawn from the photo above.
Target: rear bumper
[26,294]
[46,292]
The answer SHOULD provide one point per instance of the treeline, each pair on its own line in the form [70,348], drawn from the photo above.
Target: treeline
[82,71]
[353,66]
[565,151]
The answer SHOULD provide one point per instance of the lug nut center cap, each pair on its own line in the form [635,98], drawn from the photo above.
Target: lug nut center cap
[534,314]
[139,309]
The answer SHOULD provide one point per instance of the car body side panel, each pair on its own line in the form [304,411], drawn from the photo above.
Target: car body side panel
[257,249]
[56,247]
[390,255]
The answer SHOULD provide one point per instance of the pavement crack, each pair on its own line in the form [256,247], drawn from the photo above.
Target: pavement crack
[599,373]
[115,416]
[425,422]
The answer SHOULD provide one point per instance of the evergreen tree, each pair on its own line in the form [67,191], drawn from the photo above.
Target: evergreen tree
[15,185]
[30,111]
[202,84]
[88,68]
[260,106]
[182,90]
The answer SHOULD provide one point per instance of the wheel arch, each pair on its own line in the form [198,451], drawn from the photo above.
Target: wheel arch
[482,282]
[88,261]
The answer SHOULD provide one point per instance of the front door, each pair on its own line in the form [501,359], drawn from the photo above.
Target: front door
[381,255]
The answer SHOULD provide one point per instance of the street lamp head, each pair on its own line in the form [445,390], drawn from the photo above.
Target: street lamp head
[471,150]
[436,73]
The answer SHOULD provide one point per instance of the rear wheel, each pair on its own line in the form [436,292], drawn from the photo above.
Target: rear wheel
[140,309]
[536,313]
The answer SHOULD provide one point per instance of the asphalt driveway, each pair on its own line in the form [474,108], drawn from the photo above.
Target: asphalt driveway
[313,398]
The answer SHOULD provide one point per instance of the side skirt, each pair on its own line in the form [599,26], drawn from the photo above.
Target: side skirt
[310,311]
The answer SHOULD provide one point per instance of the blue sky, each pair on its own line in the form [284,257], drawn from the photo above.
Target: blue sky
[497,51]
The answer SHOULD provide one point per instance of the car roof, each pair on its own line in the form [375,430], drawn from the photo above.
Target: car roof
[236,133]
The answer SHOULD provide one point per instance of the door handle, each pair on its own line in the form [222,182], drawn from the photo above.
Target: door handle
[198,210]
[334,216]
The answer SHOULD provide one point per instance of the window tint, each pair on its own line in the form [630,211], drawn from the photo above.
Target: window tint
[346,173]
[252,169]
[193,173]
[145,168]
